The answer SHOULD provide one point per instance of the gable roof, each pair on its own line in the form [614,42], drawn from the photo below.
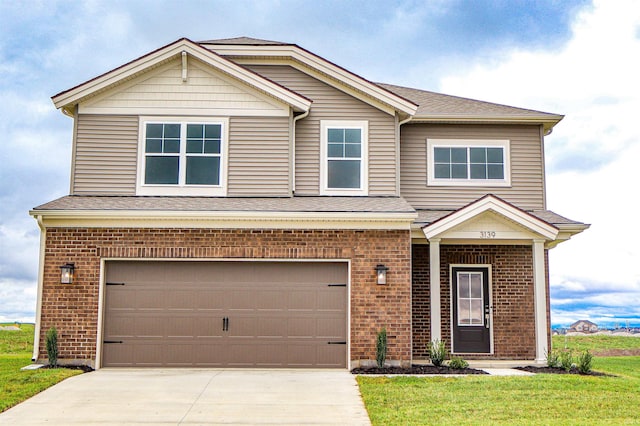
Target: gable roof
[246,47]
[438,107]
[587,322]
[137,66]
[245,41]
[497,205]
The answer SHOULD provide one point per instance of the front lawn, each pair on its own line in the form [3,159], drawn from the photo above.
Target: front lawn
[15,353]
[600,343]
[539,399]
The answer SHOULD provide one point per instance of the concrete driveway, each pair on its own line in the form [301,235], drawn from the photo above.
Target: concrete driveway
[198,396]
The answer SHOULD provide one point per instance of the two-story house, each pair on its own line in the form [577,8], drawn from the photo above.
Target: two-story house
[244,202]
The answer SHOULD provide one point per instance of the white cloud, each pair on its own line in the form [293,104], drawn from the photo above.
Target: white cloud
[593,153]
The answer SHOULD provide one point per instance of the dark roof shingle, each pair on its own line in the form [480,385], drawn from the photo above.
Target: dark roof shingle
[222,204]
[434,104]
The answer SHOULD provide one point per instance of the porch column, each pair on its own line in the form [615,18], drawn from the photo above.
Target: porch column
[540,300]
[434,286]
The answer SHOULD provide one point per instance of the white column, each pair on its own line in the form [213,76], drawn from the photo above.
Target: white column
[434,286]
[540,300]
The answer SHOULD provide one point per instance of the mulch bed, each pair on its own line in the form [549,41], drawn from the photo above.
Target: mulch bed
[84,368]
[558,370]
[416,369]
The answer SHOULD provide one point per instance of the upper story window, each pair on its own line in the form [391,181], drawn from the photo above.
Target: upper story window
[468,162]
[182,157]
[343,169]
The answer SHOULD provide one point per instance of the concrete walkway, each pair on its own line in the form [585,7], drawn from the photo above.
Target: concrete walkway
[186,397]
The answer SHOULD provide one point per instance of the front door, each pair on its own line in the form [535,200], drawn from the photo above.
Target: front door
[471,310]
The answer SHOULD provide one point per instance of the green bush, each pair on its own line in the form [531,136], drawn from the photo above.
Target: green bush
[381,347]
[437,352]
[553,359]
[457,363]
[52,346]
[585,362]
[566,359]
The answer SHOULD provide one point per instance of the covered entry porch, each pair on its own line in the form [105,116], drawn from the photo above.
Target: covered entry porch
[480,280]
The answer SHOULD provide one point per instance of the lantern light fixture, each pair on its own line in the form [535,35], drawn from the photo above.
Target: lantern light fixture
[381,274]
[66,273]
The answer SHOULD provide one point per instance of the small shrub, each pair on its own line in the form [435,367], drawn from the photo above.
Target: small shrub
[381,347]
[566,359]
[437,352]
[458,363]
[553,358]
[52,346]
[585,362]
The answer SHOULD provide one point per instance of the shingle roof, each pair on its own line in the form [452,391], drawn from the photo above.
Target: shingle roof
[432,105]
[245,41]
[426,217]
[213,204]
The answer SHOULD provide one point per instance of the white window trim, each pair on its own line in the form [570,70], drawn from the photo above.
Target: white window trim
[470,143]
[183,190]
[325,125]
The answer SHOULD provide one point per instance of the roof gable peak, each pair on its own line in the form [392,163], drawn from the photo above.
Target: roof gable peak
[181,46]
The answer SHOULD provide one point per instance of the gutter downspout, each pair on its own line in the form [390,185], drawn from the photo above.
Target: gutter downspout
[400,123]
[43,241]
[293,148]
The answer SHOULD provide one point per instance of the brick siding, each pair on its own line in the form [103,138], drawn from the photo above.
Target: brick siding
[512,297]
[73,309]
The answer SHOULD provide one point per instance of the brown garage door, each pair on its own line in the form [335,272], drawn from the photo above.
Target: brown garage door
[225,314]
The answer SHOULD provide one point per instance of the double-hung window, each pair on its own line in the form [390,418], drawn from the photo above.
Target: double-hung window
[343,169]
[468,162]
[182,158]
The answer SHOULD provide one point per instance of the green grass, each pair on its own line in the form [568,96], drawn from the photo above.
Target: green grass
[540,399]
[15,353]
[595,343]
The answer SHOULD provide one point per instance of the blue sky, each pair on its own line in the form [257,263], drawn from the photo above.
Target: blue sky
[576,58]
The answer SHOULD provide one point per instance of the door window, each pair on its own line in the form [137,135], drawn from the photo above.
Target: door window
[470,287]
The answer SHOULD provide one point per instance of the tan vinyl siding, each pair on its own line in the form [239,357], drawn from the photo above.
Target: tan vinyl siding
[330,103]
[526,189]
[162,91]
[106,150]
[258,156]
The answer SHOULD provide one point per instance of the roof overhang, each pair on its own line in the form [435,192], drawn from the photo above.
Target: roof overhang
[335,73]
[223,219]
[531,225]
[547,121]
[68,98]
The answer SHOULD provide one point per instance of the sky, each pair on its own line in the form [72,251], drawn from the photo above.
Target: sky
[577,58]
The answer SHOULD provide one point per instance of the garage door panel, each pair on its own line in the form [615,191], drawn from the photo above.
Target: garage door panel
[271,328]
[330,356]
[301,327]
[184,299]
[273,300]
[149,299]
[334,300]
[278,314]
[212,300]
[330,328]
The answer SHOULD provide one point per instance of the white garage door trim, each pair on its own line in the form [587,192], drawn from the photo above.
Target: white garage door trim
[102,290]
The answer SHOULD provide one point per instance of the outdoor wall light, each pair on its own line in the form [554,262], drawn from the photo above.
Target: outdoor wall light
[381,273]
[66,273]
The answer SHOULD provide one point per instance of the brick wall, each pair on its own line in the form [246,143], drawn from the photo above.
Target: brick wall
[512,297]
[73,309]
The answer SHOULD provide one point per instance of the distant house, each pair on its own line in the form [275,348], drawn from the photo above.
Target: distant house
[584,326]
